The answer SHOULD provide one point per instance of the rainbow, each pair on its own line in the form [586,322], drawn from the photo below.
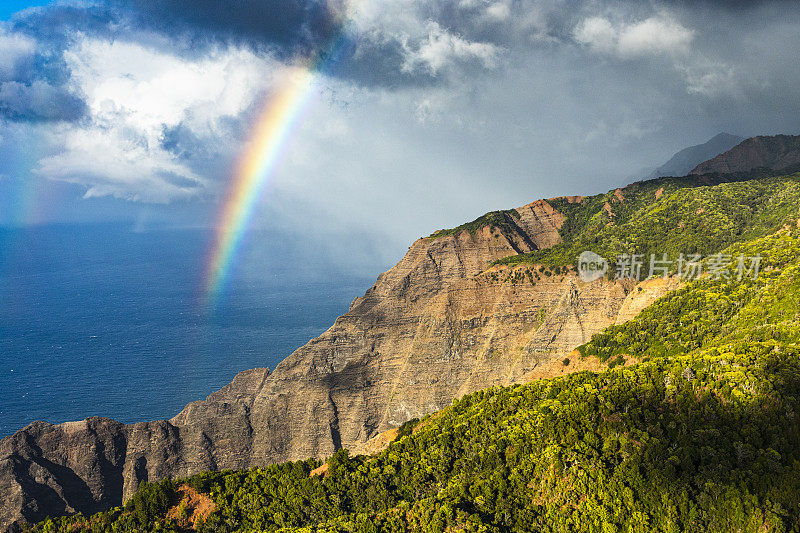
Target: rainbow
[272,130]
[255,170]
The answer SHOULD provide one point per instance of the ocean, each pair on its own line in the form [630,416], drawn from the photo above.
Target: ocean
[99,320]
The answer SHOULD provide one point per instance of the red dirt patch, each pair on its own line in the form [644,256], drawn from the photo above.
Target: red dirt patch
[569,199]
[320,471]
[191,508]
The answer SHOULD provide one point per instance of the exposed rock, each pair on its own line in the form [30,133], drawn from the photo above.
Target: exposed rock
[645,293]
[192,507]
[684,161]
[778,152]
[440,324]
[375,444]
[541,222]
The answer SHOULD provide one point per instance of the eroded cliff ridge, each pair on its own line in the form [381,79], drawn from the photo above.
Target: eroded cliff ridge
[492,302]
[441,323]
[776,152]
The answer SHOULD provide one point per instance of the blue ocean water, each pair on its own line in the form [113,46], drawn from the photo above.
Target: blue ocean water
[103,321]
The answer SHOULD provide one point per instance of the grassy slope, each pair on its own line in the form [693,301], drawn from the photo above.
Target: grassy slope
[686,218]
[702,435]
[502,220]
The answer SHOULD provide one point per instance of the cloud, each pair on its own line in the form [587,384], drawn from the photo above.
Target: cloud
[38,101]
[147,88]
[15,50]
[377,59]
[653,36]
[111,163]
[31,87]
[709,78]
[599,34]
[430,113]
[661,38]
[285,25]
[498,11]
[441,49]
[406,51]
[138,102]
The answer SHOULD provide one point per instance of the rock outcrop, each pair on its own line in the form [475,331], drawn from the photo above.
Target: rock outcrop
[441,323]
[684,161]
[778,153]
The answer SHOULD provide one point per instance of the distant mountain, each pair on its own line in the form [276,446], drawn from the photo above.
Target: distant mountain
[681,163]
[777,152]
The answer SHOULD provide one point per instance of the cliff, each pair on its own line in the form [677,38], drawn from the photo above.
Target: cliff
[684,161]
[778,153]
[492,302]
[441,323]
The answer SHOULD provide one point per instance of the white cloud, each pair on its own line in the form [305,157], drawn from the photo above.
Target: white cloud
[115,162]
[133,94]
[441,48]
[148,89]
[498,11]
[658,36]
[598,33]
[14,49]
[653,36]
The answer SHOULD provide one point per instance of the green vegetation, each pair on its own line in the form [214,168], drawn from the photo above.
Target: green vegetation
[702,434]
[502,220]
[707,314]
[146,511]
[687,217]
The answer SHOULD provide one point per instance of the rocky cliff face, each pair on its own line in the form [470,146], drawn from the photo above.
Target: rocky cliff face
[684,161]
[442,323]
[778,152]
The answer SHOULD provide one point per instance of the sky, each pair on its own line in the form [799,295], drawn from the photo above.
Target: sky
[428,114]
[9,7]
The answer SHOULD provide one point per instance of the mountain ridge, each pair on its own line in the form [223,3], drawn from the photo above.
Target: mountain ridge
[683,161]
[427,331]
[450,318]
[698,432]
[776,153]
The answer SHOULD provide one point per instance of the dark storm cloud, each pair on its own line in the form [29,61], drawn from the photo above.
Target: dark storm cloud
[378,59]
[372,57]
[285,26]
[56,25]
[285,29]
[374,60]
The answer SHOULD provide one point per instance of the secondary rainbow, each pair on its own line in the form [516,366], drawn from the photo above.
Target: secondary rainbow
[254,172]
